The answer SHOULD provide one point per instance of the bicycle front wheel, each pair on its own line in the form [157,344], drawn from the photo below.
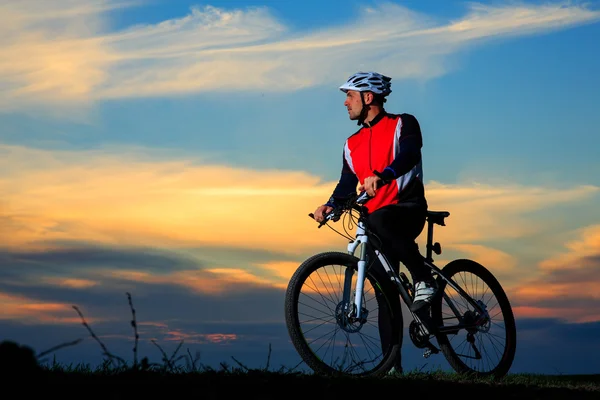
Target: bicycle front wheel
[323,330]
[480,344]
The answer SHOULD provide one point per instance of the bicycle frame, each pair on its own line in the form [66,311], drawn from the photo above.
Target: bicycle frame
[362,237]
[428,323]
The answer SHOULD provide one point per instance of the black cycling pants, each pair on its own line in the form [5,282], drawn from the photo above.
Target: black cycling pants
[397,226]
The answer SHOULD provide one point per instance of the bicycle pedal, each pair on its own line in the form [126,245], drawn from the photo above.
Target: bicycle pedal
[430,350]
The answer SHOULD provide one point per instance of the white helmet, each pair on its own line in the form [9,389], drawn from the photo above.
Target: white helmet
[368,81]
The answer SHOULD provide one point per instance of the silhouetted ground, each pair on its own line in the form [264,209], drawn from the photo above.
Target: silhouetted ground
[273,385]
[22,377]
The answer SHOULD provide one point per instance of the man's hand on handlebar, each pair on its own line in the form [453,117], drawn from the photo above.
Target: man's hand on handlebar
[325,213]
[320,212]
[371,184]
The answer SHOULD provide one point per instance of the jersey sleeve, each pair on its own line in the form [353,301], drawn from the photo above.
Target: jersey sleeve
[409,143]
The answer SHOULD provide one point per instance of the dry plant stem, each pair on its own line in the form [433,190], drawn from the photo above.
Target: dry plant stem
[193,360]
[106,352]
[170,362]
[240,364]
[135,331]
[58,347]
[268,358]
[175,353]
[165,359]
[248,369]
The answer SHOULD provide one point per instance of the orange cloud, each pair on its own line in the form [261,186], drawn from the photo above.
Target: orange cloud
[568,314]
[209,281]
[178,335]
[135,198]
[500,225]
[216,281]
[566,284]
[124,200]
[15,307]
[198,338]
[220,337]
[281,271]
[585,243]
[500,261]
[497,212]
[69,282]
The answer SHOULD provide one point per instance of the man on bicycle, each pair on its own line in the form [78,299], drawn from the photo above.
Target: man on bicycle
[390,143]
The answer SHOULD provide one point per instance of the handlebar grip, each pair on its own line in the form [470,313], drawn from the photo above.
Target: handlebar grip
[313,217]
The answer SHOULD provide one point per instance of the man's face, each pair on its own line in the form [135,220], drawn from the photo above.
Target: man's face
[354,104]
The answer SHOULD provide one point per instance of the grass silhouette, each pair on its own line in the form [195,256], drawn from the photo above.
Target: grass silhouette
[183,374]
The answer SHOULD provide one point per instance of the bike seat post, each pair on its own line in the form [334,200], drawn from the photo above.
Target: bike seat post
[429,239]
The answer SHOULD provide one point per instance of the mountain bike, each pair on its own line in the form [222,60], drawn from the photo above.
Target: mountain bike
[355,296]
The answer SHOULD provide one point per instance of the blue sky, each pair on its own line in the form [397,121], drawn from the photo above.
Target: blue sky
[182,127]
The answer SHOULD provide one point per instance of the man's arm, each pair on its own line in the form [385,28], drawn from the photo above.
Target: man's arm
[410,142]
[346,185]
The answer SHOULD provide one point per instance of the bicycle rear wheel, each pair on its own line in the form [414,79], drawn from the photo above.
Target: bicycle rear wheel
[464,348]
[326,339]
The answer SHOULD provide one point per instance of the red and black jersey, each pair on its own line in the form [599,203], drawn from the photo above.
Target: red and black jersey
[390,144]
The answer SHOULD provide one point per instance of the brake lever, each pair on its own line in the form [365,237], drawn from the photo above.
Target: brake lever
[320,223]
[336,214]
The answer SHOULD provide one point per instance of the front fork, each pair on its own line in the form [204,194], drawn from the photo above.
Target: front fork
[360,281]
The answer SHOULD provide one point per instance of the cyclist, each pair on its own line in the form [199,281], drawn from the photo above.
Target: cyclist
[390,143]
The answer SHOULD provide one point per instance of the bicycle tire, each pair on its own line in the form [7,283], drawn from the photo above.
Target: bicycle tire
[297,337]
[507,358]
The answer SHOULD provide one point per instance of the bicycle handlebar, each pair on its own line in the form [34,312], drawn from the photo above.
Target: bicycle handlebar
[352,202]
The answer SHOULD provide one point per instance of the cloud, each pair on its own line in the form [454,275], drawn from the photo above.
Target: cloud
[566,284]
[512,230]
[78,256]
[92,274]
[81,221]
[41,295]
[51,54]
[125,200]
[583,251]
[79,60]
[497,211]
[503,226]
[31,310]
